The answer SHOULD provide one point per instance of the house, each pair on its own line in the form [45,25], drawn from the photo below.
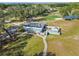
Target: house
[71,17]
[13,29]
[54,30]
[34,27]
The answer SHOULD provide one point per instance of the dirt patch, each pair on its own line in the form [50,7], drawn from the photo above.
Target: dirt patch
[76,37]
[59,45]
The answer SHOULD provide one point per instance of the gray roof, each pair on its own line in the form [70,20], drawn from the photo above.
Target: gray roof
[35,24]
[71,17]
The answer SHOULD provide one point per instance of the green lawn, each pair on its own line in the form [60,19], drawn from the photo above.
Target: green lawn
[67,43]
[34,46]
[51,17]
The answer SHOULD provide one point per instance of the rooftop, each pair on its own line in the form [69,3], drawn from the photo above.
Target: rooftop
[34,24]
[71,17]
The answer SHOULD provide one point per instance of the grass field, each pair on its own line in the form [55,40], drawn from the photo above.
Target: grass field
[25,45]
[34,46]
[66,44]
[51,17]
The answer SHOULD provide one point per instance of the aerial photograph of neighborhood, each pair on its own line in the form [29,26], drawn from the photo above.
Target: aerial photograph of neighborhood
[47,29]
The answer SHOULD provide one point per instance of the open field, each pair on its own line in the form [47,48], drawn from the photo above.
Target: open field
[51,17]
[66,44]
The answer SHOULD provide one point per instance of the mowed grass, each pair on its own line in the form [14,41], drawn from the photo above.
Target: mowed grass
[34,46]
[51,17]
[66,44]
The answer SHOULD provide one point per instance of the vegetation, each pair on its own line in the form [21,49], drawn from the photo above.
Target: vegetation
[51,17]
[66,44]
[34,46]
[69,10]
[23,44]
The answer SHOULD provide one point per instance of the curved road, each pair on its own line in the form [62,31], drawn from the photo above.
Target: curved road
[45,43]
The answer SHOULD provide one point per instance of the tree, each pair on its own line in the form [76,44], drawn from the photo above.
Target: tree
[2,23]
[69,10]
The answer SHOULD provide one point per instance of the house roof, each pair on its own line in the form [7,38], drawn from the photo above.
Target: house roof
[71,17]
[35,24]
